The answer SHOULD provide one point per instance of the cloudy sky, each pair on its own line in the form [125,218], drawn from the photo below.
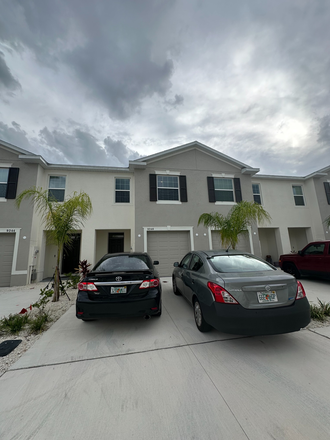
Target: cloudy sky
[107,81]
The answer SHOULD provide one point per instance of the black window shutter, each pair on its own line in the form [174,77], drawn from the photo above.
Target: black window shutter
[327,191]
[153,187]
[183,189]
[210,187]
[12,183]
[238,191]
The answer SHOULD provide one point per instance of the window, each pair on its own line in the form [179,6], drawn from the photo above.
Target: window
[122,190]
[185,261]
[256,193]
[56,189]
[196,263]
[168,188]
[298,196]
[315,249]
[327,191]
[224,189]
[3,181]
[8,182]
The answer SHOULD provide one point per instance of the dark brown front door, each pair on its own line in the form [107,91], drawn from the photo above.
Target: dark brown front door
[71,255]
[115,242]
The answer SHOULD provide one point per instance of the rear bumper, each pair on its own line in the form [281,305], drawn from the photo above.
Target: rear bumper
[235,319]
[121,307]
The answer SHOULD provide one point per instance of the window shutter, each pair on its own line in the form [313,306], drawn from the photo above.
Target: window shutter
[183,189]
[153,187]
[238,191]
[12,183]
[210,187]
[327,191]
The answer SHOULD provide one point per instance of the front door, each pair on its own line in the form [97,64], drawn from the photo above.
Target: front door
[71,254]
[115,242]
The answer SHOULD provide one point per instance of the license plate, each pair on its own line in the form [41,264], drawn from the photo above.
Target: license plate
[267,297]
[121,289]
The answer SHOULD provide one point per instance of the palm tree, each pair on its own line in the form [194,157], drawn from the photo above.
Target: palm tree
[327,221]
[59,218]
[236,222]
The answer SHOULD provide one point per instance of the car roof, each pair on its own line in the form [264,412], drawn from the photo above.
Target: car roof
[123,254]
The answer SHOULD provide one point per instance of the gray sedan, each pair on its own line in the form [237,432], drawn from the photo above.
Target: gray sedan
[236,292]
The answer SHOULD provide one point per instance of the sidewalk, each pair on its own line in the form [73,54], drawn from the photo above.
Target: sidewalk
[14,299]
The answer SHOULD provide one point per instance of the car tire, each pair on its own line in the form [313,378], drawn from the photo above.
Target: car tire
[87,320]
[201,324]
[176,291]
[292,270]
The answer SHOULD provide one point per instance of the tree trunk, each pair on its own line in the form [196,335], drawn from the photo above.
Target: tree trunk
[56,295]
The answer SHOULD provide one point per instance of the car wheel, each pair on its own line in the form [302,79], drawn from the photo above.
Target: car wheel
[201,324]
[292,270]
[176,291]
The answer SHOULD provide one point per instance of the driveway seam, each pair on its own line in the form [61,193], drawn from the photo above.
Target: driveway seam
[123,354]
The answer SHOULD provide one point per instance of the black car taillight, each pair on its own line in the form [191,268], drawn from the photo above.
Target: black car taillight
[220,294]
[147,284]
[300,291]
[87,287]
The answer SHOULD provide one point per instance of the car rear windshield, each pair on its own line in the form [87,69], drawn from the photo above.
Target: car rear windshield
[124,263]
[238,263]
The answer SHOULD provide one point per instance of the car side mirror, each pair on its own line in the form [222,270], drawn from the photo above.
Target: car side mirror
[176,264]
[155,263]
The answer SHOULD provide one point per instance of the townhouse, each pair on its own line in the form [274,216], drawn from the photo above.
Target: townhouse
[152,205]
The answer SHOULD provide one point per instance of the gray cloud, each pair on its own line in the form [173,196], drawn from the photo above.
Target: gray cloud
[15,135]
[7,80]
[120,151]
[324,130]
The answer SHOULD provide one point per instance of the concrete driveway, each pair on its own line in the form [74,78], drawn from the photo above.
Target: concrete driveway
[162,379]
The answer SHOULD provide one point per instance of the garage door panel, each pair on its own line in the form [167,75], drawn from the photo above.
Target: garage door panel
[6,258]
[168,247]
[242,245]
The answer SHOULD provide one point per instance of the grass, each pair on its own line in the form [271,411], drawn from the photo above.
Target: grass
[13,324]
[38,324]
[321,311]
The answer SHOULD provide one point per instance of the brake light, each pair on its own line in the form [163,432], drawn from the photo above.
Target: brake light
[87,287]
[300,291]
[147,284]
[220,294]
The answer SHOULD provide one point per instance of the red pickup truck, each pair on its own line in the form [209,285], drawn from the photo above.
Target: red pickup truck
[313,260]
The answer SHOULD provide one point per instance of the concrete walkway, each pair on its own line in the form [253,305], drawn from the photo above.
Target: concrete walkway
[161,378]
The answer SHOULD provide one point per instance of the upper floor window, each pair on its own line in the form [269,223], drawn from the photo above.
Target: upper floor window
[298,195]
[122,190]
[8,182]
[168,188]
[224,189]
[327,191]
[56,189]
[3,181]
[256,193]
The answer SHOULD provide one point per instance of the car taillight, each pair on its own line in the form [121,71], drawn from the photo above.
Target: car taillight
[220,294]
[300,291]
[147,284]
[87,287]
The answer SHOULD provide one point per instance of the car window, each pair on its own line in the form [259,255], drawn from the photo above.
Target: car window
[315,249]
[238,263]
[196,263]
[185,261]
[123,263]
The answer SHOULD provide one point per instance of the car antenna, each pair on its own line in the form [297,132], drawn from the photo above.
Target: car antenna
[227,249]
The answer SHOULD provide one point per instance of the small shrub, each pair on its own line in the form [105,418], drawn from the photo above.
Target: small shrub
[73,280]
[45,295]
[38,324]
[13,324]
[321,311]
[83,268]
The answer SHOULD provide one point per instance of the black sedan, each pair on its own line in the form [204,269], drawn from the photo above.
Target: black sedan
[125,284]
[239,293]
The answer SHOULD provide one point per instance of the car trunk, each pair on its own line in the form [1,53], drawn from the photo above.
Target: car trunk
[118,284]
[261,290]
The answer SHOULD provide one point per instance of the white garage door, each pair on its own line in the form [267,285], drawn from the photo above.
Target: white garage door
[167,247]
[242,245]
[6,258]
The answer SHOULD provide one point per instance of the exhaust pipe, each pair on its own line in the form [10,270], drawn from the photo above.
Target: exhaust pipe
[147,317]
